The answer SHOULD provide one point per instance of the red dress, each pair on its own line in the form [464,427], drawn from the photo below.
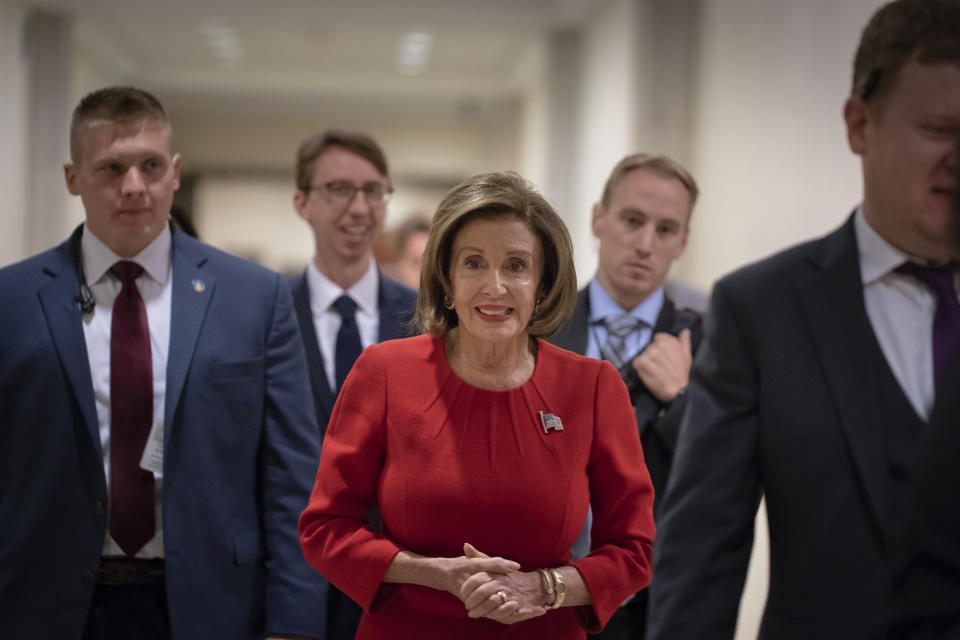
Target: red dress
[449,463]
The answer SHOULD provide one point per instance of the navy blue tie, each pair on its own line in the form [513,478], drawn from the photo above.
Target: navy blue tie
[348,339]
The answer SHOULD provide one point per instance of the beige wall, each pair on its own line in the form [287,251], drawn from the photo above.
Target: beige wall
[765,137]
[607,104]
[244,167]
[769,144]
[13,124]
[234,212]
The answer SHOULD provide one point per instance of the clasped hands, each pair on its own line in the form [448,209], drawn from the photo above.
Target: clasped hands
[495,588]
[664,366]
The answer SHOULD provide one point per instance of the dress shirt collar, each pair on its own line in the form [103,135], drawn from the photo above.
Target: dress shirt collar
[323,291]
[98,257]
[877,256]
[602,305]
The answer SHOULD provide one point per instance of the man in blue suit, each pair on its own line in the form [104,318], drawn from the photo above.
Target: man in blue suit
[343,302]
[157,442]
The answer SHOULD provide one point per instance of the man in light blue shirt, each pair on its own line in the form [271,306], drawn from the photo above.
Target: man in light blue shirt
[623,315]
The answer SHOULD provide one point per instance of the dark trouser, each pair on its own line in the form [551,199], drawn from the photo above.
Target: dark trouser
[343,615]
[629,622]
[129,601]
[121,612]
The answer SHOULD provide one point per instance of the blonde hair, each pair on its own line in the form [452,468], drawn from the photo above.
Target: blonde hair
[658,164]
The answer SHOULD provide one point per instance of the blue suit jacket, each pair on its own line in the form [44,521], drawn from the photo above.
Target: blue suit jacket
[396,303]
[240,458]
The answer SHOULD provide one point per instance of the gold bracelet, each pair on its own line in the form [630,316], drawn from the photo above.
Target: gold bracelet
[560,587]
[547,581]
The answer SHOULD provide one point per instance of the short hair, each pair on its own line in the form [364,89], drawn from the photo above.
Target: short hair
[114,105]
[353,141]
[898,31]
[658,164]
[414,224]
[487,196]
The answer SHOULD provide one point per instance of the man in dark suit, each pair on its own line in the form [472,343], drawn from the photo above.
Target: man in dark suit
[343,302]
[156,437]
[926,585]
[642,223]
[818,371]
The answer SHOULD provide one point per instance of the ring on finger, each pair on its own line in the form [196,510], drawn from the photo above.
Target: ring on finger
[503,596]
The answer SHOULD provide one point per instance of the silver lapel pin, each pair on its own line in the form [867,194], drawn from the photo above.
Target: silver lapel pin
[550,421]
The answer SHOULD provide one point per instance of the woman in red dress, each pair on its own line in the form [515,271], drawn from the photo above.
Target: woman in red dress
[483,445]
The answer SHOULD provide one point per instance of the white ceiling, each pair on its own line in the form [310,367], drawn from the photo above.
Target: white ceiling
[298,53]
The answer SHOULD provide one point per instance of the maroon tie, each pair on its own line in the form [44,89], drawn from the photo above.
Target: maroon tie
[131,414]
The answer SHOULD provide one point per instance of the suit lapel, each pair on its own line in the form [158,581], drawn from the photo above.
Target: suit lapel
[393,314]
[191,291]
[322,394]
[573,336]
[647,406]
[66,328]
[842,339]
[666,318]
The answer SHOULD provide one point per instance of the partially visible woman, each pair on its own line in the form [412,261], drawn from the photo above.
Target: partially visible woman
[483,445]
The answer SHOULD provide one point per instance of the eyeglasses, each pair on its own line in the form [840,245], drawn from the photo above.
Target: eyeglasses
[342,192]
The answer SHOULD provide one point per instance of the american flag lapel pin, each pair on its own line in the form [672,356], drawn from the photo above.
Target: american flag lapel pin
[550,421]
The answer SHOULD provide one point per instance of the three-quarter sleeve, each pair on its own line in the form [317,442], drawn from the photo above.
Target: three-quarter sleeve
[621,496]
[336,538]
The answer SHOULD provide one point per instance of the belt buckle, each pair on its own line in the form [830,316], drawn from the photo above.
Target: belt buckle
[124,571]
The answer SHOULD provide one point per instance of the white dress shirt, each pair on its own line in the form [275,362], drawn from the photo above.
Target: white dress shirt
[154,285]
[901,312]
[326,321]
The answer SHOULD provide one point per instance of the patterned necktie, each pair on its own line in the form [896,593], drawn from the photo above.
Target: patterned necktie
[131,414]
[348,339]
[946,318]
[618,328]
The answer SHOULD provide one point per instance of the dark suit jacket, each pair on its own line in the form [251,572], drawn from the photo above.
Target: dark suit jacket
[658,423]
[240,457]
[784,399]
[396,303]
[926,589]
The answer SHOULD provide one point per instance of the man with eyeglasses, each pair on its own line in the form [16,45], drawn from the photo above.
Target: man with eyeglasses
[343,302]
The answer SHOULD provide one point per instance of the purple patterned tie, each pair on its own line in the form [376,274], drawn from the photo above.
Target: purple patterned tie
[946,318]
[131,414]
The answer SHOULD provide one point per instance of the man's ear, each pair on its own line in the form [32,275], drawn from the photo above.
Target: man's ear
[175,163]
[684,237]
[70,177]
[856,115]
[300,204]
[595,219]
